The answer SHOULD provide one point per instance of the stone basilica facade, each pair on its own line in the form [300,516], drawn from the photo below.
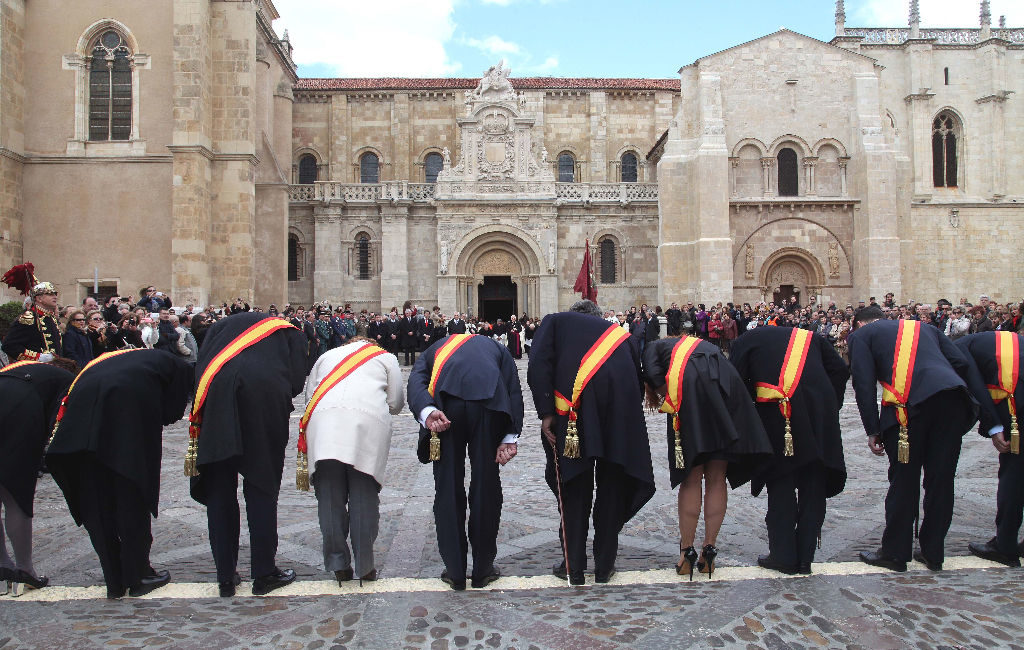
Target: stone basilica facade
[174,145]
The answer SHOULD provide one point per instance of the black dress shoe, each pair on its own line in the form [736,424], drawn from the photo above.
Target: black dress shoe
[26,578]
[115,593]
[227,589]
[603,577]
[770,563]
[480,583]
[989,551]
[149,583]
[875,558]
[932,566]
[804,568]
[343,575]
[268,583]
[576,578]
[457,585]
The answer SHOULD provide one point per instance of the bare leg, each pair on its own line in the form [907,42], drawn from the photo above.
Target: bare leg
[689,508]
[19,529]
[716,498]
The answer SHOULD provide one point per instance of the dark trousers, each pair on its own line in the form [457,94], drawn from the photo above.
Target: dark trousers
[1009,501]
[478,430]
[119,526]
[222,515]
[609,507]
[410,357]
[936,433]
[796,511]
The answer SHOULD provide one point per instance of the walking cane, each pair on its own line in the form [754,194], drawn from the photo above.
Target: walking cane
[561,512]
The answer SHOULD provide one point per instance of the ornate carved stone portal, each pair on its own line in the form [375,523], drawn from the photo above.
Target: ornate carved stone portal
[496,262]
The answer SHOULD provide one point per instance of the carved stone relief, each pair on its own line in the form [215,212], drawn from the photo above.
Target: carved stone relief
[496,262]
[833,260]
[787,272]
[750,262]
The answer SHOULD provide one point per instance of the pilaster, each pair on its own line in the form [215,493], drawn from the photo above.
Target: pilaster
[598,155]
[394,275]
[327,275]
[12,134]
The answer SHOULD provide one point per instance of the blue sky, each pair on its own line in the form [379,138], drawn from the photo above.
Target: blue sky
[569,38]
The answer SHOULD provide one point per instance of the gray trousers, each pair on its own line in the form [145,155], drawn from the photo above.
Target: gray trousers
[347,502]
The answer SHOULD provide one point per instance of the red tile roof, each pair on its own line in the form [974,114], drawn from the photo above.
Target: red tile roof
[455,83]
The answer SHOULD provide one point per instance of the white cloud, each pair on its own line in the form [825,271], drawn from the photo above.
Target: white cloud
[493,45]
[353,39]
[549,65]
[934,13]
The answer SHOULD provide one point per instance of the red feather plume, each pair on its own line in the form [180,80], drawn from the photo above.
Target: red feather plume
[21,277]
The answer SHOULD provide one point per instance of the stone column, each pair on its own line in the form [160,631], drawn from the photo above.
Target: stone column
[327,251]
[394,276]
[12,136]
[809,176]
[767,186]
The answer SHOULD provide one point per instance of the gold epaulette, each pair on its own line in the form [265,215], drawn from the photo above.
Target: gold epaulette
[27,318]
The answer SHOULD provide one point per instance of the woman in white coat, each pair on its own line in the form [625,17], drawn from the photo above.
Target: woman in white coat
[348,435]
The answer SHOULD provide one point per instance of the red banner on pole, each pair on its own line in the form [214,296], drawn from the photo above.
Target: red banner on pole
[585,284]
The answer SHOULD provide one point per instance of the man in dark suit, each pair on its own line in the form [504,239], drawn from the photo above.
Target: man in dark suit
[798,484]
[611,434]
[998,357]
[409,336]
[242,428]
[934,391]
[464,390]
[456,325]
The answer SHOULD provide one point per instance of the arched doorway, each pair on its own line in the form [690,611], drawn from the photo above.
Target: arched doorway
[791,272]
[496,273]
[496,297]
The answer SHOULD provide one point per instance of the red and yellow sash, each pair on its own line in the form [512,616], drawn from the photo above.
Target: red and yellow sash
[1008,363]
[17,364]
[251,336]
[64,400]
[345,367]
[789,378]
[681,352]
[592,361]
[444,353]
[897,393]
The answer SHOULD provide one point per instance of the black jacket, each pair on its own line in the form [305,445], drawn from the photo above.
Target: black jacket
[758,356]
[980,349]
[456,326]
[409,333]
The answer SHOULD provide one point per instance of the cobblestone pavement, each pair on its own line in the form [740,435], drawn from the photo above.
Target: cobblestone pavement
[970,607]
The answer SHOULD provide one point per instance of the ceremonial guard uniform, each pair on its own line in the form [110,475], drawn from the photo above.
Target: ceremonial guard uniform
[30,393]
[344,440]
[36,332]
[466,389]
[930,399]
[998,357]
[105,456]
[587,387]
[250,367]
[798,382]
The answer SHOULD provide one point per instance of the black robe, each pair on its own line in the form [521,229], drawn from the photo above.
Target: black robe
[717,419]
[29,397]
[116,413]
[249,401]
[758,357]
[610,417]
[33,332]
[514,331]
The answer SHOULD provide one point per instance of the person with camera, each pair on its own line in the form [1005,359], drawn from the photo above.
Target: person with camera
[127,334]
[167,335]
[153,301]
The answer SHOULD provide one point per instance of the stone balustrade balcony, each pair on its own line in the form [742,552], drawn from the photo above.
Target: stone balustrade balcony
[332,191]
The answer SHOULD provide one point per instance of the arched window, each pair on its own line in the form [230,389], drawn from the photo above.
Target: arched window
[363,256]
[789,176]
[294,272]
[608,261]
[110,88]
[307,169]
[627,167]
[369,168]
[433,163]
[566,168]
[945,136]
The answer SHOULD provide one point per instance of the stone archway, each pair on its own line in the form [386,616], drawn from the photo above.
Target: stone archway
[791,271]
[504,257]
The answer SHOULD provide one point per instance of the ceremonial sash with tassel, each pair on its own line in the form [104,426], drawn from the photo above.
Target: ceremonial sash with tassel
[441,357]
[17,364]
[898,392]
[789,379]
[345,367]
[64,400]
[1008,363]
[674,389]
[595,357]
[251,336]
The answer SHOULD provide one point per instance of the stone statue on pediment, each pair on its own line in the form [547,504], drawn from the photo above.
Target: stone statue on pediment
[495,80]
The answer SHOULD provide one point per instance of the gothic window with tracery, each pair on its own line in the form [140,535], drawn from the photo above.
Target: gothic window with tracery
[110,88]
[307,169]
[433,163]
[566,168]
[945,137]
[628,168]
[363,256]
[369,168]
[608,260]
[789,174]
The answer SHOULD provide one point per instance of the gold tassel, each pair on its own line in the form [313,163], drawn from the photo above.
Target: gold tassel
[680,461]
[53,434]
[1014,435]
[788,439]
[903,453]
[302,472]
[191,455]
[435,447]
[572,441]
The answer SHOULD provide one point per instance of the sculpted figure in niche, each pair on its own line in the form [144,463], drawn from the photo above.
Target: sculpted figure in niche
[750,262]
[833,260]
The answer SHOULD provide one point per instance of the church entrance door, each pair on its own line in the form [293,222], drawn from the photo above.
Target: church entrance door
[497,298]
[783,294]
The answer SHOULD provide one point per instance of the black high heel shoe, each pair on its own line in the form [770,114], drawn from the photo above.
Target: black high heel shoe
[689,561]
[706,564]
